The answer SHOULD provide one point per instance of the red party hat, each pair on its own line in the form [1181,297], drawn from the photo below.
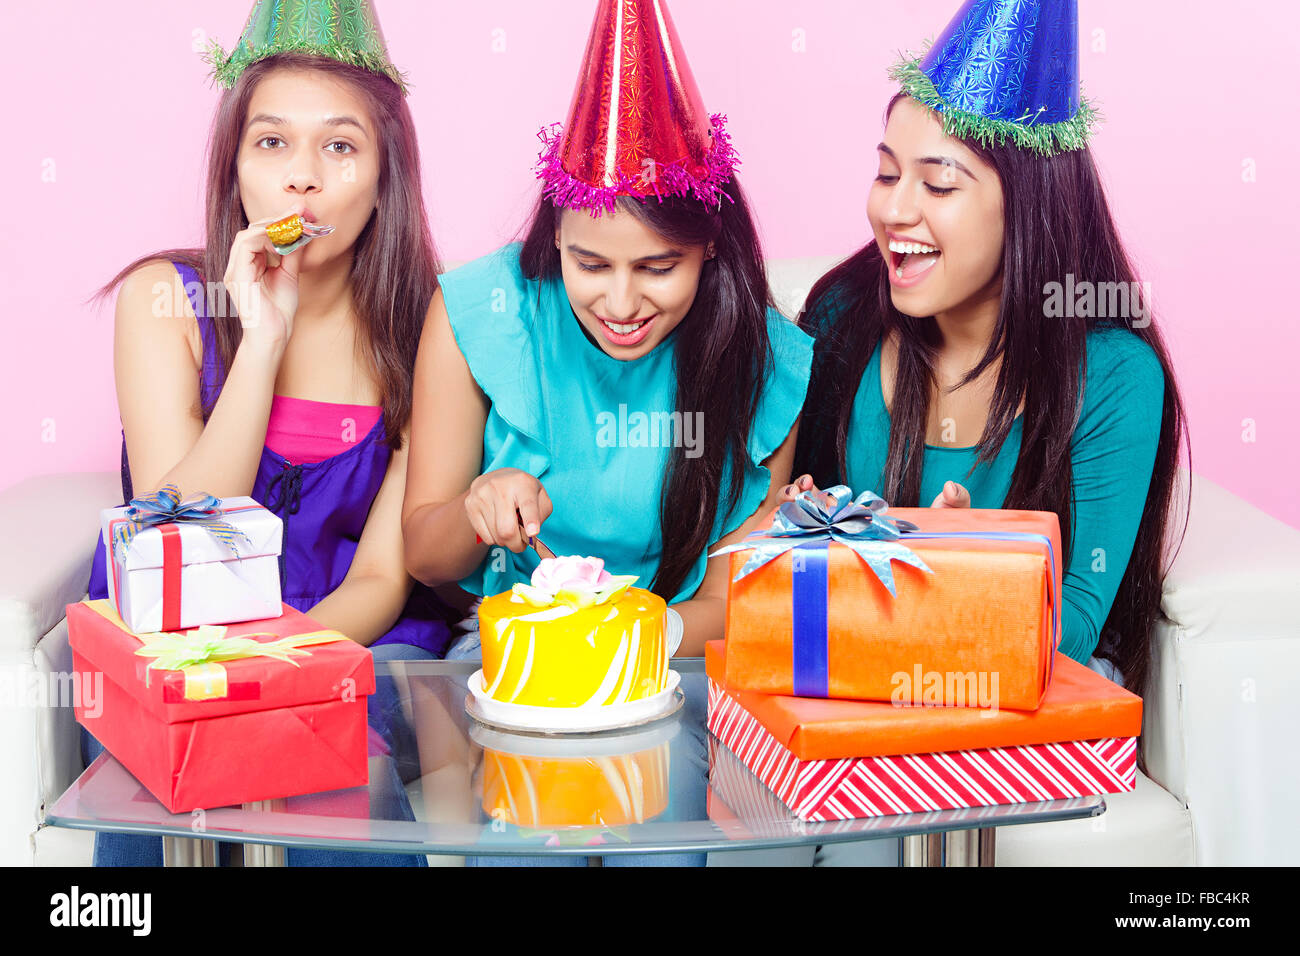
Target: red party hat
[637,124]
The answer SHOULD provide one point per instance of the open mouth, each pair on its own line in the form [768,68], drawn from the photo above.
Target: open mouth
[909,260]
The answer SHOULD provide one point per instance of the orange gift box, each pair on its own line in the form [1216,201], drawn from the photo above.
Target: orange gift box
[1080,705]
[846,759]
[980,630]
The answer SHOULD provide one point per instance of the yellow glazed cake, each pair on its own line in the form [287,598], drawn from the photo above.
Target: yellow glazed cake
[576,637]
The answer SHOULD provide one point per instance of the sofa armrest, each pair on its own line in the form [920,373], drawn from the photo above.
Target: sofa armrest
[1236,572]
[56,518]
[1221,705]
[52,521]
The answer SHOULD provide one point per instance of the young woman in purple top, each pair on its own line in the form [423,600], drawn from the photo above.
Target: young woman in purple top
[206,338]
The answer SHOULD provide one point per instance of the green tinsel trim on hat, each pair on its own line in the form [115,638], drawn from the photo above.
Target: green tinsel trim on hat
[1046,139]
[226,68]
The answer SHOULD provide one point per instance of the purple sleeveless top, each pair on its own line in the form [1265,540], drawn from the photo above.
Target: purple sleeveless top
[324,506]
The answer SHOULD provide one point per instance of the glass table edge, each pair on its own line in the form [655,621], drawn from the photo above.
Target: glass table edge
[813,832]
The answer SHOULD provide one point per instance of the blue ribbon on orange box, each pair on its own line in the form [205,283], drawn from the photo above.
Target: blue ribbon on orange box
[810,523]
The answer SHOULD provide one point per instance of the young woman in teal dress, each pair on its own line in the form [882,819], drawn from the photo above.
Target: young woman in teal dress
[988,347]
[632,299]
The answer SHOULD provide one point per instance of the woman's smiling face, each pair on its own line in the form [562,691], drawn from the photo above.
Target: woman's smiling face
[936,211]
[628,286]
[309,147]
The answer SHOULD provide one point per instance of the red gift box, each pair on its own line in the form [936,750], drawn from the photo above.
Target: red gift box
[278,730]
[840,760]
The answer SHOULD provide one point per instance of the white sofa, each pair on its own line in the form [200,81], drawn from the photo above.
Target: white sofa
[1222,785]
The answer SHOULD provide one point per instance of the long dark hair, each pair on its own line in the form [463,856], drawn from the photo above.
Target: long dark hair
[721,353]
[1057,223]
[394,268]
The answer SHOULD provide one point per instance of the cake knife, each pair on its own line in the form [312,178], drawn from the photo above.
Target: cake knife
[536,543]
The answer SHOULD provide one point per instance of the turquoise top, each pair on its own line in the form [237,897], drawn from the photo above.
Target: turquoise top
[593,429]
[1112,454]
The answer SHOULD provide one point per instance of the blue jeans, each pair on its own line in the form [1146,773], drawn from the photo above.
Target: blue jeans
[388,798]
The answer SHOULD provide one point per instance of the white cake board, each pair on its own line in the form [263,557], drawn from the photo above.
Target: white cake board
[530,719]
[613,743]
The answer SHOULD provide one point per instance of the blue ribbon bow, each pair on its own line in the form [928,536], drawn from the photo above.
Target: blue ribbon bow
[859,523]
[167,507]
[810,523]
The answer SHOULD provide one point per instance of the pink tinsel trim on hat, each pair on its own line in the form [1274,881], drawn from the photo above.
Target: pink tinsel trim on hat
[671,179]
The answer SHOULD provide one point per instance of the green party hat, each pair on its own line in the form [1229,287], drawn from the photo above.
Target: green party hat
[343,30]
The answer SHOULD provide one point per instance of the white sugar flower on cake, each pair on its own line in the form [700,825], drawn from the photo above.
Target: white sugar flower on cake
[575,581]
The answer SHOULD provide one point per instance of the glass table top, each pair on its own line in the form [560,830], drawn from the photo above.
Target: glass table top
[442,783]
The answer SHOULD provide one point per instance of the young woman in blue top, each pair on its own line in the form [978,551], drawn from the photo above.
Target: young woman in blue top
[949,333]
[618,384]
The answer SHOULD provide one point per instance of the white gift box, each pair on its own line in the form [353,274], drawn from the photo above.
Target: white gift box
[216,586]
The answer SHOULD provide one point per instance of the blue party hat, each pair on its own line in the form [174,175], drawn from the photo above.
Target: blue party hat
[1006,70]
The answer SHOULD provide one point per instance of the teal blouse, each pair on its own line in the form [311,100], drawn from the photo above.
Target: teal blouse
[595,430]
[1113,451]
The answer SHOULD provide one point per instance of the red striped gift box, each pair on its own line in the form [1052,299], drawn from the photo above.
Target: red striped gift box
[846,759]
[852,787]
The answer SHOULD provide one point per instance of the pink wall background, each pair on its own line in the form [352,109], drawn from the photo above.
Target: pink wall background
[104,161]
